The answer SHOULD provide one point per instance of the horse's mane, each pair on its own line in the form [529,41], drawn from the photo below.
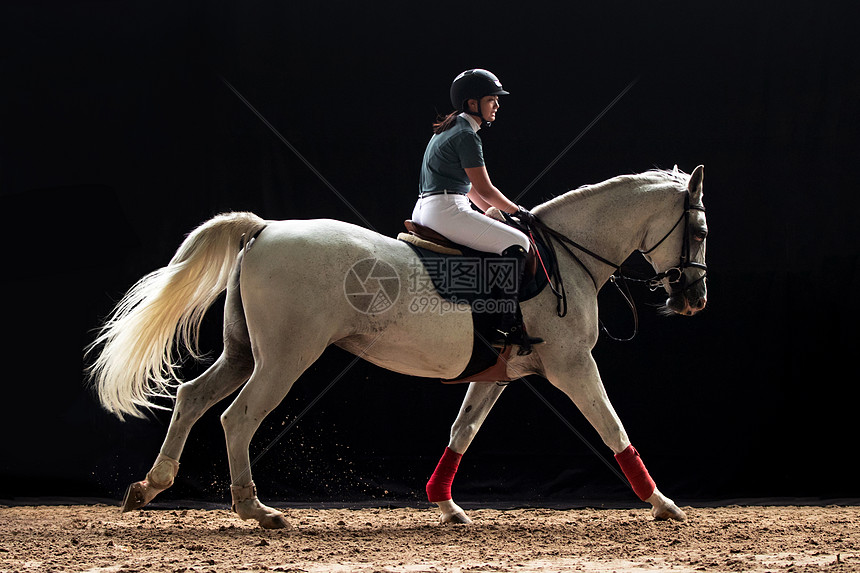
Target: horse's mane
[657,176]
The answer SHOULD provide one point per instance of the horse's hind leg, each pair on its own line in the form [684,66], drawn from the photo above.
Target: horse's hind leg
[479,400]
[579,378]
[273,377]
[194,398]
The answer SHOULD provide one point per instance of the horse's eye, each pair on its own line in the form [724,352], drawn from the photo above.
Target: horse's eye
[700,235]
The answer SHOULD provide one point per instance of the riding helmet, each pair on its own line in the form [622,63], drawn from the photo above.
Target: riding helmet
[474,84]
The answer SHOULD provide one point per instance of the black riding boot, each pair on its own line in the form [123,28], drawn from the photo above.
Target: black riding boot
[512,330]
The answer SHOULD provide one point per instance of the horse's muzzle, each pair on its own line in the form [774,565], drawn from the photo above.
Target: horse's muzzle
[686,303]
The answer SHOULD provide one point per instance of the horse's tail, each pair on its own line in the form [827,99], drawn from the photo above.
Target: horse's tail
[161,315]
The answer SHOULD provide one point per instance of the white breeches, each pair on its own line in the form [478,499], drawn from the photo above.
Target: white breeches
[453,216]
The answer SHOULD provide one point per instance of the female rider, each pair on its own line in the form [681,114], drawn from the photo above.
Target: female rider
[453,173]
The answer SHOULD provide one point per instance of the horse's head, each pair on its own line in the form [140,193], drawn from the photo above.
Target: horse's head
[679,257]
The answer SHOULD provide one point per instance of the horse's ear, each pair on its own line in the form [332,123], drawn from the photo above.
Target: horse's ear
[695,184]
[675,169]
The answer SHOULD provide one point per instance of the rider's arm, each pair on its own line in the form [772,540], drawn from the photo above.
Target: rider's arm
[484,188]
[477,200]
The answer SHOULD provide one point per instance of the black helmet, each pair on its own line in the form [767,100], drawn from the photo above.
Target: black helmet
[474,84]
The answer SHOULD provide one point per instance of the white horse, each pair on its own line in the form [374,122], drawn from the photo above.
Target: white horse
[286,302]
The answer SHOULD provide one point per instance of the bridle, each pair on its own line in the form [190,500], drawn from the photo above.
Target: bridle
[674,276]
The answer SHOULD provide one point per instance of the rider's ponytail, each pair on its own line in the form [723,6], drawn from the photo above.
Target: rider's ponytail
[445,123]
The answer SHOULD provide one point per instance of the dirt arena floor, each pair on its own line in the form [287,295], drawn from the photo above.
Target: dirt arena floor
[98,538]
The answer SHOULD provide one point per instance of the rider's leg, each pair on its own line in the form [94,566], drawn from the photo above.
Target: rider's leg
[512,327]
[452,216]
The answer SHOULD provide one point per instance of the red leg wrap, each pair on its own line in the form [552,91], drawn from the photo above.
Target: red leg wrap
[439,486]
[632,466]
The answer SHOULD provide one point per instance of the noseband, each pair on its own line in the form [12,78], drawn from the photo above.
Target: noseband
[675,276]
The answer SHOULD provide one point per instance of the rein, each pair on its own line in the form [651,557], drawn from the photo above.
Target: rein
[675,275]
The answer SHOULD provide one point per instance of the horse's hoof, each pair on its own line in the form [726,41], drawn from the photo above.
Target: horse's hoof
[134,497]
[458,517]
[274,521]
[158,479]
[267,517]
[668,511]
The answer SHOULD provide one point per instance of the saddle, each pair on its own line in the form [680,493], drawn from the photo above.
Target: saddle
[486,364]
[427,238]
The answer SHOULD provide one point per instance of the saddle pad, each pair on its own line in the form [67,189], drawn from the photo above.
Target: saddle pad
[429,245]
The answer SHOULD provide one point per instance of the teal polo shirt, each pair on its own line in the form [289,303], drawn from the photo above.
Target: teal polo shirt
[447,156]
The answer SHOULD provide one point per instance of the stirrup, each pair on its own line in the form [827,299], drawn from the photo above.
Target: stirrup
[517,336]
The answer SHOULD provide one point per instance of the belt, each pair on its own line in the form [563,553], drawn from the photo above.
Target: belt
[442,192]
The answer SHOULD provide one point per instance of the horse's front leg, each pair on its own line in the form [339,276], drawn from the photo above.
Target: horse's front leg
[579,378]
[479,400]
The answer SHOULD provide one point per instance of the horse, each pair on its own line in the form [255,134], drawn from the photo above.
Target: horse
[288,298]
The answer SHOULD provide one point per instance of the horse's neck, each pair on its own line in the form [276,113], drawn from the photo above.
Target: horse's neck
[610,219]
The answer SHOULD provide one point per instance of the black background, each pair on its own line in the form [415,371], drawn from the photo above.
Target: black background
[119,136]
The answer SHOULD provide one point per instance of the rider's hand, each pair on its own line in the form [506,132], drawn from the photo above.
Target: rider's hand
[525,216]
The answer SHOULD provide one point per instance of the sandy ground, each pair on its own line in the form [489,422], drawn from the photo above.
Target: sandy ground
[100,538]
